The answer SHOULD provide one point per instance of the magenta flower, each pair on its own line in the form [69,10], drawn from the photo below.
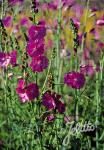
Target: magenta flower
[4,59]
[39,63]
[48,101]
[7,21]
[68,3]
[52,102]
[37,32]
[100,22]
[27,92]
[35,48]
[24,22]
[87,70]
[50,118]
[13,59]
[35,45]
[75,80]
[8,58]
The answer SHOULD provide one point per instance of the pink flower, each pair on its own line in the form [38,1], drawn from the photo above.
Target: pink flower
[100,22]
[7,21]
[68,3]
[8,58]
[24,22]
[4,59]
[37,32]
[50,118]
[35,48]
[39,63]
[52,102]
[27,92]
[87,70]
[75,80]
[48,101]
[13,59]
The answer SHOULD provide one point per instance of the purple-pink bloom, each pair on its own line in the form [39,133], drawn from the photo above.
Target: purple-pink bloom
[75,80]
[48,101]
[52,102]
[39,63]
[4,59]
[68,3]
[50,118]
[24,22]
[35,48]
[27,92]
[8,58]
[100,22]
[37,31]
[13,59]
[87,70]
[7,21]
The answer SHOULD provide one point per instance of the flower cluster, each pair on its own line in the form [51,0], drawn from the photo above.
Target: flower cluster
[35,47]
[52,101]
[27,92]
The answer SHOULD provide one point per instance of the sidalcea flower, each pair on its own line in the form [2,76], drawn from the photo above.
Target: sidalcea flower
[13,59]
[100,22]
[24,22]
[8,58]
[87,70]
[27,92]
[75,80]
[50,118]
[52,102]
[37,32]
[39,63]
[7,21]
[35,48]
[68,3]
[4,59]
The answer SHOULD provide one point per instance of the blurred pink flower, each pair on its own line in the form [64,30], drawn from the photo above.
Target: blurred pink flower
[100,22]
[24,22]
[50,118]
[7,21]
[87,70]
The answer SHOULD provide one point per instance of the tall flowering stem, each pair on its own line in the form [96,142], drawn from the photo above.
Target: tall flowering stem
[97,110]
[74,29]
[57,58]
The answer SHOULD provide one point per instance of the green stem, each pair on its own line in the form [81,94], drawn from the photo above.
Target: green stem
[49,67]
[97,111]
[57,61]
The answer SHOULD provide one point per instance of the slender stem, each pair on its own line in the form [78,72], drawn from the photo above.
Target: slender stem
[58,47]
[97,111]
[49,67]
